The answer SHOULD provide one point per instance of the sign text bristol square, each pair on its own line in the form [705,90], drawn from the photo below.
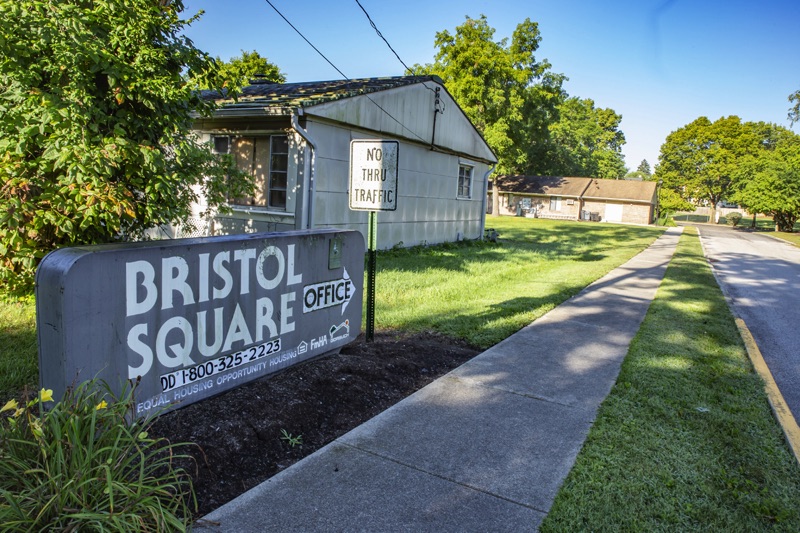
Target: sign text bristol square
[190,318]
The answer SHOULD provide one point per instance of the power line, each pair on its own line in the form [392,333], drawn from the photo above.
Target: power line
[374,27]
[342,73]
[306,40]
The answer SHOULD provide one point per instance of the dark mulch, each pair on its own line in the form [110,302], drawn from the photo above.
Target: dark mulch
[238,434]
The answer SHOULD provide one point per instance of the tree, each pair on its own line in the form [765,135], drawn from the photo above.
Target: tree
[509,95]
[769,182]
[794,111]
[669,202]
[644,168]
[587,141]
[95,120]
[238,71]
[698,161]
[637,176]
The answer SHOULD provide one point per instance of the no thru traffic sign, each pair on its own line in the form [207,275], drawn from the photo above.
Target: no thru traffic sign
[373,175]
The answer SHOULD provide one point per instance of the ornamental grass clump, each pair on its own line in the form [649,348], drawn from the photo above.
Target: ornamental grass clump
[81,465]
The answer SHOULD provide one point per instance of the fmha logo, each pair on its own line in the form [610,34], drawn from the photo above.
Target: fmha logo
[342,331]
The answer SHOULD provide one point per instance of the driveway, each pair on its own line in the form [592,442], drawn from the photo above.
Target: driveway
[761,275]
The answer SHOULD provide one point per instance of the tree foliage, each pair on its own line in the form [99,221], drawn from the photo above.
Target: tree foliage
[794,111]
[699,160]
[238,71]
[508,94]
[95,120]
[520,107]
[644,168]
[670,202]
[769,182]
[587,141]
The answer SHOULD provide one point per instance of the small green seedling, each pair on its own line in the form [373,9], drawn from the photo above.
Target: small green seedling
[293,440]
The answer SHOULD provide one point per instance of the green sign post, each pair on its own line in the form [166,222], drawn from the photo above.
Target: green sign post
[372,265]
[373,188]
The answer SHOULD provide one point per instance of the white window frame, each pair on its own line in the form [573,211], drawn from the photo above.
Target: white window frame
[267,189]
[465,179]
[272,172]
[555,203]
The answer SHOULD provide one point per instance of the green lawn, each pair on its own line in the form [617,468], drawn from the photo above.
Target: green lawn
[19,364]
[793,238]
[703,219]
[762,224]
[686,440]
[485,292]
[481,292]
[767,225]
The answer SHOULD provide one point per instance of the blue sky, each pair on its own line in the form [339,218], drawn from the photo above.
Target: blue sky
[659,63]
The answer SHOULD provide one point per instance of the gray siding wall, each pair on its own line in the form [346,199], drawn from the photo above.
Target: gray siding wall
[428,208]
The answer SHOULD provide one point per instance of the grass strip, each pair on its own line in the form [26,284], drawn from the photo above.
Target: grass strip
[19,363]
[686,439]
[793,238]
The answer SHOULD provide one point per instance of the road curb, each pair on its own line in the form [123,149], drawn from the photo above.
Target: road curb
[779,406]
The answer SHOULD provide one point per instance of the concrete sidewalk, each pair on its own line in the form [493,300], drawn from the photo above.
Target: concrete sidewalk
[484,448]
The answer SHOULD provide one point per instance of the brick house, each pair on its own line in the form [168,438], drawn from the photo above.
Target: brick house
[575,198]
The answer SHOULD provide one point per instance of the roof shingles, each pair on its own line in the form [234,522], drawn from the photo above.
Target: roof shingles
[305,94]
[544,185]
[637,191]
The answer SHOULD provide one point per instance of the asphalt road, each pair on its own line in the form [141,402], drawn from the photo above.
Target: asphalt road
[761,276]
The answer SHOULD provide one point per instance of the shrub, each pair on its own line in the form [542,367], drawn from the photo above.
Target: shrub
[734,218]
[96,141]
[83,465]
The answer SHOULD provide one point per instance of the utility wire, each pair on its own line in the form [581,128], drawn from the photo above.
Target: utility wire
[342,73]
[374,27]
[306,40]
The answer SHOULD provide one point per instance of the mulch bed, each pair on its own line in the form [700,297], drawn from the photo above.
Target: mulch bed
[244,436]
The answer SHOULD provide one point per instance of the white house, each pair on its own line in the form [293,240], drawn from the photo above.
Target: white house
[295,139]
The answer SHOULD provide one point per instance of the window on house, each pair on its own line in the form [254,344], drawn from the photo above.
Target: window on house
[464,181]
[222,145]
[555,203]
[267,160]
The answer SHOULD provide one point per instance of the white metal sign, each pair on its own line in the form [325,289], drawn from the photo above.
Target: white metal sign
[373,175]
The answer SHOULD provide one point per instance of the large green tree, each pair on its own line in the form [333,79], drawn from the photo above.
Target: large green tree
[699,160]
[769,182]
[95,126]
[507,93]
[587,141]
[238,71]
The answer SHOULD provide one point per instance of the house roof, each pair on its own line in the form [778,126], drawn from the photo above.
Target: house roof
[636,191]
[306,94]
[417,108]
[544,185]
[595,188]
